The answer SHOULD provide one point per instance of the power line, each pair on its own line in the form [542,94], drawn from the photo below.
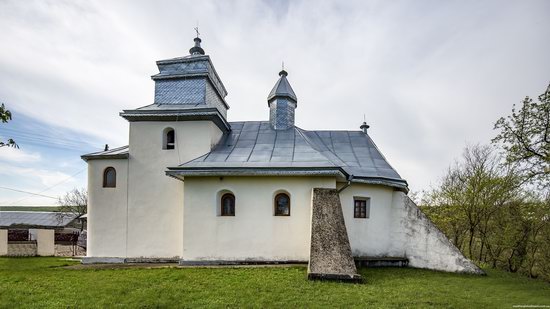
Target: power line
[49,139]
[52,186]
[51,145]
[40,134]
[27,192]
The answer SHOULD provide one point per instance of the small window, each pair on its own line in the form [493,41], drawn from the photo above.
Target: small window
[282,204]
[109,178]
[169,139]
[361,208]
[228,205]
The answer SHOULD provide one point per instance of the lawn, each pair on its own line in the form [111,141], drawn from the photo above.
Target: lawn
[44,282]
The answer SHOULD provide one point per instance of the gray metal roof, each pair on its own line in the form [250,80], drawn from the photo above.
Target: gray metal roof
[282,88]
[254,148]
[115,153]
[35,219]
[176,112]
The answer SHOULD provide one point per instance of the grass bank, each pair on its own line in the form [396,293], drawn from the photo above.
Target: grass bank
[43,282]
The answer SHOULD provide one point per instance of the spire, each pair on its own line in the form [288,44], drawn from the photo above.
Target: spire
[282,88]
[282,102]
[197,49]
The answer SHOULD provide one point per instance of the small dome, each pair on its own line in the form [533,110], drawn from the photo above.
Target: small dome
[197,49]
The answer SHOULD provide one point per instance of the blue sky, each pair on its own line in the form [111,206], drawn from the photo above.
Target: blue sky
[47,162]
[430,76]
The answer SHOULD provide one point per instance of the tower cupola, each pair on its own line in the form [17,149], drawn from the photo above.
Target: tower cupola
[282,102]
[197,49]
[186,88]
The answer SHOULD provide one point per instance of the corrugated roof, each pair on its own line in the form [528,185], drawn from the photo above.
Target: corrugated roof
[35,219]
[255,145]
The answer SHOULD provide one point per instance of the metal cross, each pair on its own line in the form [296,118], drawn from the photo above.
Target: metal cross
[197,30]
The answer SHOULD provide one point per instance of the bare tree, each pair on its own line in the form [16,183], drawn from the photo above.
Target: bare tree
[74,202]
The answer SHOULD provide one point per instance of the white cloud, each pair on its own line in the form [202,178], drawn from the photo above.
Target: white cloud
[430,76]
[47,177]
[18,155]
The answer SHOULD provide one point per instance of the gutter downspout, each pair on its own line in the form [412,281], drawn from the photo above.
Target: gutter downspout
[350,178]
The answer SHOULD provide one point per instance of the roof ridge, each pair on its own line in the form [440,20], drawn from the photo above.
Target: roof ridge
[306,139]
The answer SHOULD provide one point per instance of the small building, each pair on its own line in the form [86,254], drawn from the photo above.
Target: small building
[31,233]
[194,187]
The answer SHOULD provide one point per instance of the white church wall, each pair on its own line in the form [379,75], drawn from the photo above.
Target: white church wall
[107,209]
[368,236]
[254,233]
[417,238]
[396,227]
[155,220]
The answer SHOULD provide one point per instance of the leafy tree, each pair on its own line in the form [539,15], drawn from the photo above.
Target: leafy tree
[474,188]
[74,202]
[491,215]
[5,116]
[525,137]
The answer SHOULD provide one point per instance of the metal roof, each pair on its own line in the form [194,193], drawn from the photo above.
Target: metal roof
[254,148]
[26,219]
[115,153]
[176,112]
[282,88]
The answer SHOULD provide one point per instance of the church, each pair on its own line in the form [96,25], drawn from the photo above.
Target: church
[193,187]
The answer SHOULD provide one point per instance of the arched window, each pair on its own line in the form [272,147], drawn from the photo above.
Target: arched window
[168,139]
[109,178]
[228,204]
[282,204]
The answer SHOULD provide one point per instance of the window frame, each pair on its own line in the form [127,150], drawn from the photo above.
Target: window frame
[275,204]
[105,180]
[222,199]
[165,144]
[359,214]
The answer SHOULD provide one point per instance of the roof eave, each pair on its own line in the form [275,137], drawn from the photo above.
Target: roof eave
[399,184]
[273,97]
[181,172]
[211,114]
[88,157]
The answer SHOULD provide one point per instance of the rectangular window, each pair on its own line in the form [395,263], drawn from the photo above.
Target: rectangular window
[361,207]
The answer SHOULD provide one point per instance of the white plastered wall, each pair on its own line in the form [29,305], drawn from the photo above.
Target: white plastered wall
[155,201]
[396,227]
[3,242]
[106,236]
[369,236]
[254,233]
[45,242]
[415,236]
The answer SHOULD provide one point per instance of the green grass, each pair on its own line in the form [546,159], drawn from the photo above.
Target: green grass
[42,282]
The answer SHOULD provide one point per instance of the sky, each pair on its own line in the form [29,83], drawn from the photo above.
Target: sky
[430,77]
